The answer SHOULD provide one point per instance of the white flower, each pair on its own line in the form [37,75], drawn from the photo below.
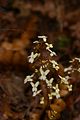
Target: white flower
[69,87]
[42,100]
[43,37]
[48,46]
[69,72]
[72,60]
[51,95]
[49,82]
[69,68]
[33,56]
[36,93]
[67,77]
[55,64]
[36,42]
[28,78]
[34,88]
[43,74]
[75,59]
[64,79]
[36,70]
[56,93]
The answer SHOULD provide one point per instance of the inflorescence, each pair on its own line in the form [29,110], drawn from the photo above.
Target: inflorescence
[46,72]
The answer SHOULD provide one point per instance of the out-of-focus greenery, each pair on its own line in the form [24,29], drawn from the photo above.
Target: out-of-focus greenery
[63,41]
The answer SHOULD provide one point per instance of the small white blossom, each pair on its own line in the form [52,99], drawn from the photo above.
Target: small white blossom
[64,79]
[36,42]
[43,37]
[43,74]
[36,70]
[69,72]
[33,56]
[72,61]
[55,64]
[28,78]
[49,82]
[75,59]
[48,46]
[69,87]
[67,69]
[36,93]
[34,88]
[67,77]
[56,93]
[43,66]
[51,95]
[42,100]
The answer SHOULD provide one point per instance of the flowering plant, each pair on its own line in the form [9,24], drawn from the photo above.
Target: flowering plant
[46,74]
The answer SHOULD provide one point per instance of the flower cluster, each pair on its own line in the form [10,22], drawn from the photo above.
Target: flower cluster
[45,73]
[29,79]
